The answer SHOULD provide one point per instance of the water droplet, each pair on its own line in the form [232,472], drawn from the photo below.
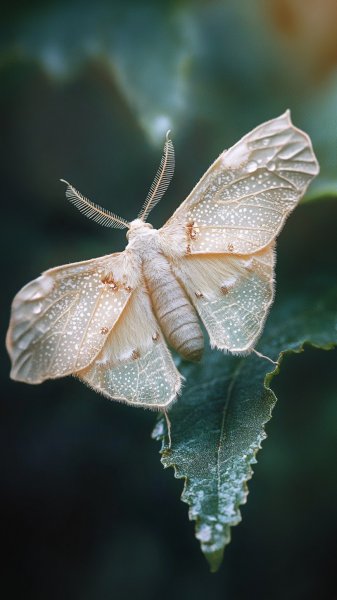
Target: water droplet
[159,430]
[229,282]
[204,534]
[37,309]
[248,264]
[42,326]
[265,142]
[251,166]
[271,166]
[37,295]
[23,344]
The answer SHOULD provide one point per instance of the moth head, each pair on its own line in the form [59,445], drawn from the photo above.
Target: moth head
[137,227]
[156,192]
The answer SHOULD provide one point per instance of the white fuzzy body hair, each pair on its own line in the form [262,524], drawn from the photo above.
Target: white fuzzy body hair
[176,316]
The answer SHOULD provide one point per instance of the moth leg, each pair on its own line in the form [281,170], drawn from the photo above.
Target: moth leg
[168,424]
[265,357]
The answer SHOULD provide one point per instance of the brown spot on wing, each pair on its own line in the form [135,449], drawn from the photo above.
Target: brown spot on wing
[225,289]
[191,231]
[109,280]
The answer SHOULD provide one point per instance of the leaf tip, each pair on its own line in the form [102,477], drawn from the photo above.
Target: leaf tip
[214,559]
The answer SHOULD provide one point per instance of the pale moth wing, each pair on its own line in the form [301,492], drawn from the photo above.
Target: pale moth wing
[107,320]
[232,295]
[94,319]
[135,365]
[61,320]
[241,203]
[228,225]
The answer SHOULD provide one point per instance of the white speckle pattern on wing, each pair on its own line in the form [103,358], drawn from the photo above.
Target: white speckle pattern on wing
[135,365]
[94,319]
[60,320]
[237,292]
[242,201]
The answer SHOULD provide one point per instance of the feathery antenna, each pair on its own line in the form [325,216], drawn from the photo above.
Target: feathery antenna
[94,211]
[161,180]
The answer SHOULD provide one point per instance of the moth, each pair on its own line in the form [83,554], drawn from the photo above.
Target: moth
[109,320]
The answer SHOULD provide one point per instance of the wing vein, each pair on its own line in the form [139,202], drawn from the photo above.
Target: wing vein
[98,299]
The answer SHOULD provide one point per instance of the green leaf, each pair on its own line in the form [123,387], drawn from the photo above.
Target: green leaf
[218,424]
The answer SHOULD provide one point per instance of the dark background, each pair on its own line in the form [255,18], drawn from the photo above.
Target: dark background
[87,93]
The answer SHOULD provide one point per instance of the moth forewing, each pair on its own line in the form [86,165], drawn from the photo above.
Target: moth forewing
[59,321]
[241,203]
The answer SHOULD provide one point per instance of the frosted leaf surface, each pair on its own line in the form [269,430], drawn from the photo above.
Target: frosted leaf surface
[217,426]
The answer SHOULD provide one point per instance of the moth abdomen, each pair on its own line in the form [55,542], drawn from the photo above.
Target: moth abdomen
[177,317]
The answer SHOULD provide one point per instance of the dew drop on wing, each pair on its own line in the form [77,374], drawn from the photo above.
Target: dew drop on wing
[23,344]
[37,309]
[252,166]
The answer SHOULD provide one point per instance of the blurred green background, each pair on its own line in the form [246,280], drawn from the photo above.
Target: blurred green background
[87,93]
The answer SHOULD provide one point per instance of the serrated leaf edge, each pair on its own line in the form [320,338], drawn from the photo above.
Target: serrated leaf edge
[214,555]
